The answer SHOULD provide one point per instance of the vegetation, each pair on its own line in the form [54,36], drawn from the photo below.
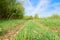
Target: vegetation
[52,23]
[28,17]
[54,16]
[33,28]
[34,31]
[11,9]
[5,25]
[36,16]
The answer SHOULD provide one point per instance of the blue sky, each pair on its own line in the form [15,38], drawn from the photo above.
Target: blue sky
[43,8]
[34,2]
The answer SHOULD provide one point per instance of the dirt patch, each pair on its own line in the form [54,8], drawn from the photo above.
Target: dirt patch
[12,32]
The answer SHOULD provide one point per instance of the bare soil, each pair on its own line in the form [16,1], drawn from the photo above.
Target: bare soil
[12,32]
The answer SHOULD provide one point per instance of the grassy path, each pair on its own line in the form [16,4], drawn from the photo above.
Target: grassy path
[12,32]
[33,31]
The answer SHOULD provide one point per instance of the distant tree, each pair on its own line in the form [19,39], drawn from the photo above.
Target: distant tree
[31,17]
[36,16]
[55,16]
[28,17]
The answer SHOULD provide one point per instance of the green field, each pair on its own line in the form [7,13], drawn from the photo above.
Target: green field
[29,20]
[42,29]
[33,30]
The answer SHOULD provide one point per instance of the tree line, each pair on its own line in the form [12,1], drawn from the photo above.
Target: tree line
[11,9]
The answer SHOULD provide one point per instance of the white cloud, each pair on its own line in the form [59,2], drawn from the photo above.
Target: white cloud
[42,5]
[43,8]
